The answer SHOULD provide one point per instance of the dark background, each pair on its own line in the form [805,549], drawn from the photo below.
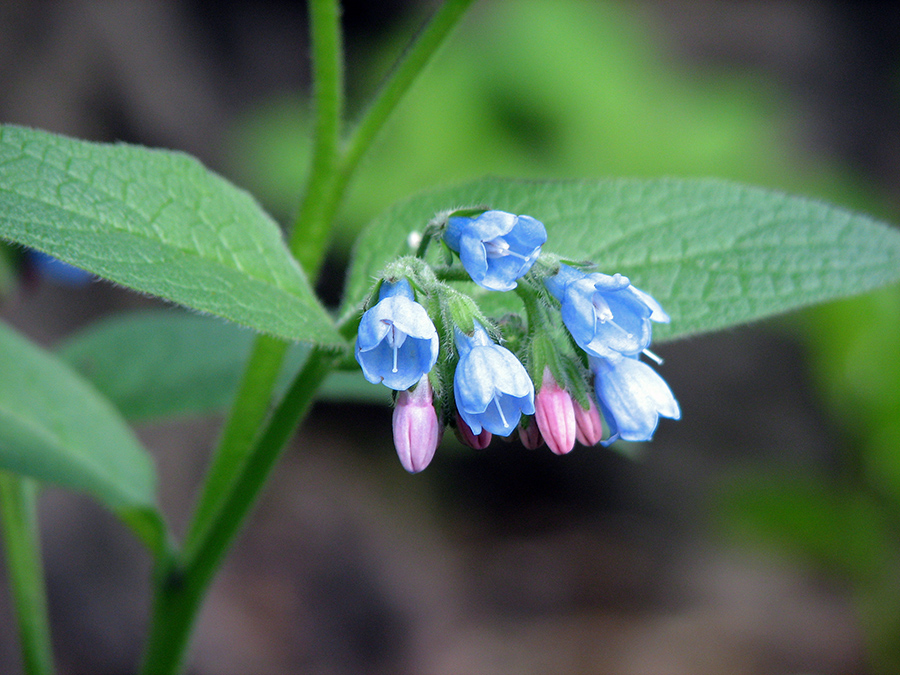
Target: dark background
[502,561]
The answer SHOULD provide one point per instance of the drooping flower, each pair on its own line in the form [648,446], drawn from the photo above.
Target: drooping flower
[416,428]
[397,342]
[588,425]
[491,386]
[632,397]
[496,248]
[555,415]
[606,315]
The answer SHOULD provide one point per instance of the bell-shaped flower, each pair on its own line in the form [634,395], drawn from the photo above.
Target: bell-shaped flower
[397,342]
[555,415]
[496,248]
[491,386]
[632,397]
[416,428]
[606,315]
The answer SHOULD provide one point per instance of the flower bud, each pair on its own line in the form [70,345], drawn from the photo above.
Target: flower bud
[554,413]
[416,428]
[466,436]
[530,435]
[588,426]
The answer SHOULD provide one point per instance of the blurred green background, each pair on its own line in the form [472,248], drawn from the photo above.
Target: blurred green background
[804,99]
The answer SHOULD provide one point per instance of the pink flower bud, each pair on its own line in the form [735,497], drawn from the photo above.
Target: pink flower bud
[588,427]
[555,415]
[466,436]
[530,436]
[416,429]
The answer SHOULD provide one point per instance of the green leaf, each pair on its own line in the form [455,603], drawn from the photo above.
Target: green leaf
[713,253]
[55,428]
[161,362]
[158,222]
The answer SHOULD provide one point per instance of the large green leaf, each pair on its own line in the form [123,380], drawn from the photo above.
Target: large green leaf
[167,362]
[158,222]
[56,428]
[714,253]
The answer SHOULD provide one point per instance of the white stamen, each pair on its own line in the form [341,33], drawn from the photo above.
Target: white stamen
[500,410]
[651,355]
[499,248]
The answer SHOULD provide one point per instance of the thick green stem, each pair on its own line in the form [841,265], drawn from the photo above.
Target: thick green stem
[242,467]
[249,410]
[180,591]
[401,79]
[18,512]
[399,82]
[310,234]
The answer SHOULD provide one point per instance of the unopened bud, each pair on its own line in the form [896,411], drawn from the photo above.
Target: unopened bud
[530,435]
[416,428]
[467,437]
[588,426]
[555,415]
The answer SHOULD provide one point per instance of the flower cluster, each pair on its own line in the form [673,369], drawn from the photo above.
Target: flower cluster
[431,343]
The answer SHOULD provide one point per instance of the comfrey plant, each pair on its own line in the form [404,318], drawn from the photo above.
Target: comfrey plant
[470,322]
[594,362]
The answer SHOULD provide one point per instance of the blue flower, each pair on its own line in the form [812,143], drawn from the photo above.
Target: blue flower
[606,315]
[632,397]
[491,386]
[496,248]
[397,343]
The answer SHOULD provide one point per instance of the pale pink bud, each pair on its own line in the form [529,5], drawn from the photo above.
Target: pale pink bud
[416,429]
[555,415]
[530,436]
[588,427]
[465,435]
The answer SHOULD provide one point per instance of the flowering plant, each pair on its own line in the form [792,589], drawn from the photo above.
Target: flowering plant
[471,321]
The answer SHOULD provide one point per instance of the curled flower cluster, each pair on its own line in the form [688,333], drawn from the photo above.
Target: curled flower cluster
[430,342]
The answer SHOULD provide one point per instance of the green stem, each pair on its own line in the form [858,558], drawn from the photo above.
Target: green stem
[405,73]
[311,230]
[18,512]
[249,410]
[180,591]
[390,95]
[181,588]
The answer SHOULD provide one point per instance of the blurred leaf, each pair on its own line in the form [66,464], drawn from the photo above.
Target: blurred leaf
[715,254]
[158,363]
[158,222]
[811,515]
[624,107]
[54,427]
[855,356]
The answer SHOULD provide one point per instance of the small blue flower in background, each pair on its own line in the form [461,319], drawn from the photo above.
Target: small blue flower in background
[397,342]
[496,248]
[606,315]
[491,386]
[58,271]
[632,397]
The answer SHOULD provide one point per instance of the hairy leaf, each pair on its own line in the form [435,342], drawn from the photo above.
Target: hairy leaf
[159,222]
[56,428]
[715,254]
